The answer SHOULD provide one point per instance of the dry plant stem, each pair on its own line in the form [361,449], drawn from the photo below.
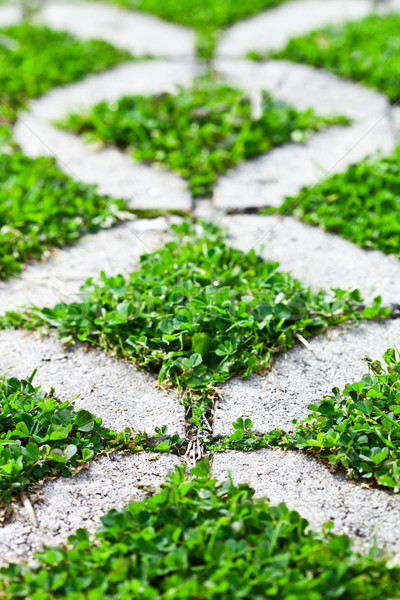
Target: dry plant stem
[29,508]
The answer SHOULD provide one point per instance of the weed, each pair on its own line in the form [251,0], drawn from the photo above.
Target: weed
[367,51]
[35,59]
[357,430]
[41,207]
[361,204]
[197,311]
[199,132]
[200,539]
[208,17]
[41,436]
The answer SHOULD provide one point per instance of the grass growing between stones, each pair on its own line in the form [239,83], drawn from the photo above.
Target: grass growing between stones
[41,436]
[33,59]
[201,13]
[361,204]
[208,17]
[200,132]
[198,312]
[200,539]
[41,207]
[367,51]
[357,429]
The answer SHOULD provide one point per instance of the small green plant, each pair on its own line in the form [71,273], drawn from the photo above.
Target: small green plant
[41,436]
[41,207]
[208,17]
[359,429]
[33,59]
[200,132]
[197,311]
[367,51]
[197,539]
[361,205]
[7,142]
[201,13]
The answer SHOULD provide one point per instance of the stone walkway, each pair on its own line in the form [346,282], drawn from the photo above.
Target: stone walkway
[123,396]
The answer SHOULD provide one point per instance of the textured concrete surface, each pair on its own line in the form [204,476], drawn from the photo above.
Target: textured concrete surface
[113,171]
[140,33]
[9,15]
[66,504]
[114,389]
[272,29]
[145,77]
[316,257]
[303,377]
[268,179]
[307,486]
[60,277]
[109,387]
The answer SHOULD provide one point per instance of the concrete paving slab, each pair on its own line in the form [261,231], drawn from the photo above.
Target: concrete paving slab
[268,179]
[138,32]
[272,29]
[307,486]
[60,277]
[317,258]
[109,387]
[115,172]
[69,503]
[303,377]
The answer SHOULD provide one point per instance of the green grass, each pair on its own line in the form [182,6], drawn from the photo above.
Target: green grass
[357,430]
[197,312]
[361,204]
[367,51]
[208,17]
[7,142]
[41,208]
[33,59]
[199,132]
[41,436]
[197,539]
[201,13]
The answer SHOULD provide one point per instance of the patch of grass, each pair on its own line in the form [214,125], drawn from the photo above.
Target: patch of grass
[361,204]
[201,13]
[41,207]
[357,429]
[197,311]
[208,17]
[199,132]
[200,539]
[7,142]
[33,59]
[41,436]
[367,51]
